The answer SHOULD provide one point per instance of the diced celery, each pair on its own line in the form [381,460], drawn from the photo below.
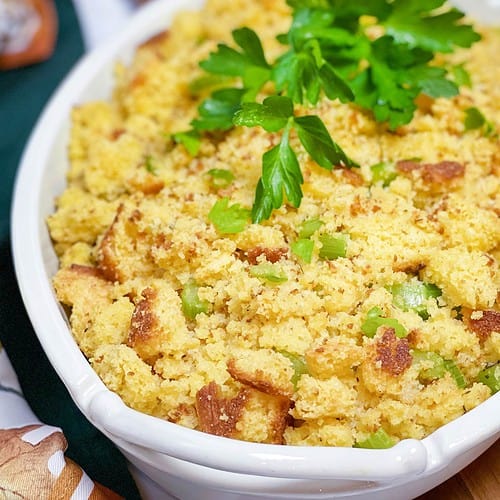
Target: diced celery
[374,320]
[192,305]
[303,248]
[436,370]
[376,441]
[333,246]
[309,227]
[221,177]
[148,164]
[439,367]
[411,296]
[268,272]
[455,372]
[491,377]
[299,365]
[384,172]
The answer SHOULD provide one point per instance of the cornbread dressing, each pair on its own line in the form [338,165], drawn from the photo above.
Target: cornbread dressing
[286,361]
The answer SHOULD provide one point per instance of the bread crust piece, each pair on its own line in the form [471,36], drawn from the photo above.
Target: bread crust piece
[482,323]
[433,173]
[272,255]
[216,414]
[393,353]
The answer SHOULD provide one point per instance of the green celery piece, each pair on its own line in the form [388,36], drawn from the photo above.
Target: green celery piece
[374,320]
[228,219]
[491,377]
[455,372]
[384,172]
[191,303]
[411,296]
[149,165]
[299,366]
[303,248]
[221,177]
[438,368]
[309,227]
[268,272]
[333,246]
[377,441]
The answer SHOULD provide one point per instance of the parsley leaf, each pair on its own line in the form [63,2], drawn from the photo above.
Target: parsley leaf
[263,205]
[475,120]
[420,24]
[430,80]
[250,63]
[280,172]
[190,139]
[216,113]
[208,81]
[330,51]
[272,115]
[461,76]
[228,219]
[318,143]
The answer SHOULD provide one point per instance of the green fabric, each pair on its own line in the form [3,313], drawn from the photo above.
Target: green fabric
[23,93]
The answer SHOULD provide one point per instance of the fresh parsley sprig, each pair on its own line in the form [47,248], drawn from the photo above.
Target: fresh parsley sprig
[280,167]
[376,53]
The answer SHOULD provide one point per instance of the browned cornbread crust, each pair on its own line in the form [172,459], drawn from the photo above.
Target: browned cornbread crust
[132,230]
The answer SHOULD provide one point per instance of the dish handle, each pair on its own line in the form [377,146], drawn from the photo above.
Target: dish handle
[107,411]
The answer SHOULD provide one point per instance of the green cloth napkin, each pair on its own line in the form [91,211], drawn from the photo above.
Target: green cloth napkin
[23,93]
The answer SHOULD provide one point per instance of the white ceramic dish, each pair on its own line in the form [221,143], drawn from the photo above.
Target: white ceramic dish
[187,463]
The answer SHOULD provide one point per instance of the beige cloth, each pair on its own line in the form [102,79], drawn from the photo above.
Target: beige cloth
[32,461]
